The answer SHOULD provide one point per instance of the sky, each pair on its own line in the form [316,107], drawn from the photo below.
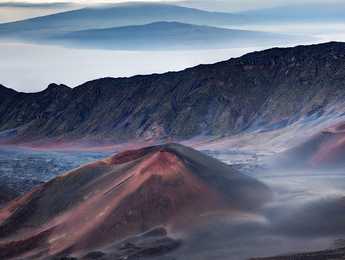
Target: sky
[234,5]
[12,10]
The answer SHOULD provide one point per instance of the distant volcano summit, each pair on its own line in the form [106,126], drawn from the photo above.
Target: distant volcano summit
[94,206]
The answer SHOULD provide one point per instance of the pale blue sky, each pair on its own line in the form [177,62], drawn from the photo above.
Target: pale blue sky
[15,12]
[11,11]
[235,4]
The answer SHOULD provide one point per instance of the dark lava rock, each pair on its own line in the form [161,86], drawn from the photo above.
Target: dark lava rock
[152,247]
[335,254]
[150,244]
[153,243]
[65,258]
[94,255]
[265,90]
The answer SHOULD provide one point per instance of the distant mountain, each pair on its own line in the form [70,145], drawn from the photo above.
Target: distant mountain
[100,204]
[257,92]
[168,35]
[113,16]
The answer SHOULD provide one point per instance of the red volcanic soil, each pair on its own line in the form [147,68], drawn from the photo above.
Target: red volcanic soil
[325,149]
[127,194]
[332,149]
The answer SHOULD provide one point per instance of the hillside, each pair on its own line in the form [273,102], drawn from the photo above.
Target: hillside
[324,149]
[112,16]
[257,92]
[101,203]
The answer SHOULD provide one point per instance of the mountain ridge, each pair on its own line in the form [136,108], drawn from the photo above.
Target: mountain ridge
[241,94]
[111,16]
[168,35]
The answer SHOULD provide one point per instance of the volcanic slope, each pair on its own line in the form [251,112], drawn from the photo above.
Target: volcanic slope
[324,149]
[103,202]
[257,92]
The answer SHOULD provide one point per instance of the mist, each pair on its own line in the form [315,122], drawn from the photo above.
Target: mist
[293,222]
[30,67]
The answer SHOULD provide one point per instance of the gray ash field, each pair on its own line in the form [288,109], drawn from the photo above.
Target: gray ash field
[22,169]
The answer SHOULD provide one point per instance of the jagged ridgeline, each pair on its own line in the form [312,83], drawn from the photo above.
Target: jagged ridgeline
[261,90]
